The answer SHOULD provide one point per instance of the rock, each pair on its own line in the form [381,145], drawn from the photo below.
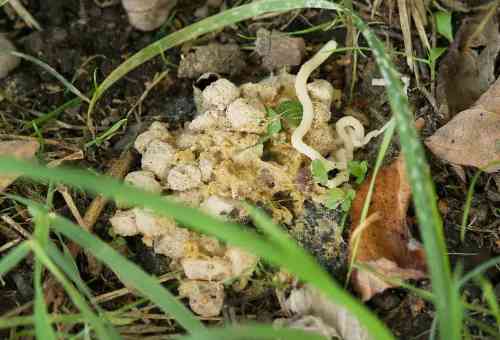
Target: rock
[8,62]
[278,49]
[216,58]
[205,298]
[148,15]
[184,177]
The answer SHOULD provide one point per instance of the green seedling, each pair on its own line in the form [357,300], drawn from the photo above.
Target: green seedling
[443,24]
[358,169]
[107,134]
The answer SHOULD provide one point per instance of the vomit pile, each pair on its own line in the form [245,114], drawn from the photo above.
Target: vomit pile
[226,155]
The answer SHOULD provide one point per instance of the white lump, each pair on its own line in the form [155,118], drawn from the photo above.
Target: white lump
[124,223]
[244,116]
[144,180]
[184,177]
[219,94]
[157,131]
[158,158]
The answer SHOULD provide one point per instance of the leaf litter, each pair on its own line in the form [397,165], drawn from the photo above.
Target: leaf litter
[385,243]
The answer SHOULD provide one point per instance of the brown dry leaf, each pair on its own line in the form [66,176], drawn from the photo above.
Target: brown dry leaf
[472,137]
[385,243]
[19,149]
[468,68]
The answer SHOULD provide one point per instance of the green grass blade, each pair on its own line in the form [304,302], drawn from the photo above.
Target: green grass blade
[254,332]
[127,270]
[40,121]
[53,72]
[384,146]
[101,330]
[424,196]
[3,2]
[43,328]
[491,298]
[204,26]
[15,256]
[477,271]
[297,261]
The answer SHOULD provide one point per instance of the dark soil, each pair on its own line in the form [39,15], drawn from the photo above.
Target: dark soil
[82,41]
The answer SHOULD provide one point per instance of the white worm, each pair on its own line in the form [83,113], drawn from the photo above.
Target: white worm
[305,100]
[350,131]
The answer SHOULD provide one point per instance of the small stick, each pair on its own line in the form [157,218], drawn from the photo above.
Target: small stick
[119,168]
[16,226]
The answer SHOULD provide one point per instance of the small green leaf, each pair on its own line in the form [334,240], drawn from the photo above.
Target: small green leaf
[335,197]
[347,202]
[319,172]
[291,111]
[358,169]
[274,125]
[434,55]
[443,23]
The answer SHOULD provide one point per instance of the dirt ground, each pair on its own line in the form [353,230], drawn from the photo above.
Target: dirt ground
[85,42]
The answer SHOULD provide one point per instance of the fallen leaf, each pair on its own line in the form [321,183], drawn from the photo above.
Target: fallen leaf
[18,149]
[315,312]
[385,243]
[467,70]
[472,137]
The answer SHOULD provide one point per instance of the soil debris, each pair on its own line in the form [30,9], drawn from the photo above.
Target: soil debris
[384,240]
[215,58]
[472,137]
[468,69]
[8,62]
[278,49]
[19,149]
[315,312]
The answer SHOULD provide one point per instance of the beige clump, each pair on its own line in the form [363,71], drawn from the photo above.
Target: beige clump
[242,262]
[150,225]
[218,206]
[244,116]
[157,131]
[207,269]
[158,158]
[219,94]
[124,223]
[144,180]
[184,177]
[8,62]
[148,15]
[205,298]
[208,120]
[322,91]
[173,243]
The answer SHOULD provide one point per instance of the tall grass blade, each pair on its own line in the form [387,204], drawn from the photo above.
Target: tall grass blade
[101,330]
[43,327]
[254,332]
[297,261]
[52,72]
[424,197]
[479,270]
[128,271]
[15,256]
